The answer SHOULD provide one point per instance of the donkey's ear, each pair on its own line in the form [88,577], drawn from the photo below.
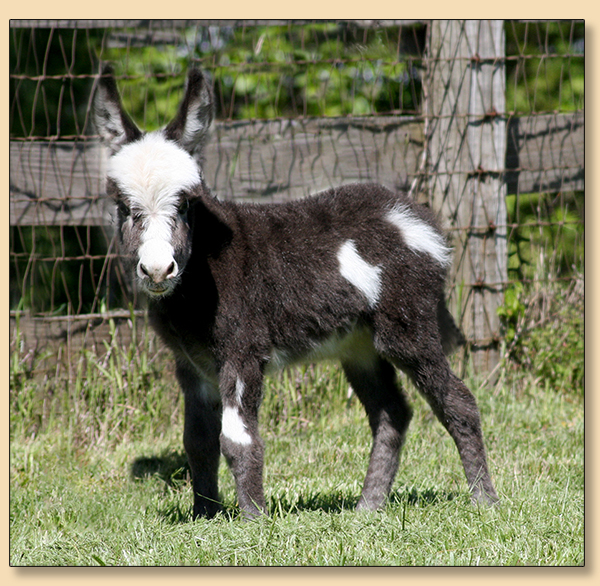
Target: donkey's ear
[113,124]
[196,112]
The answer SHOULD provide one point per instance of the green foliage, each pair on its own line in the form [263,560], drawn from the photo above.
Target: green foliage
[545,72]
[312,70]
[297,398]
[58,269]
[544,333]
[560,354]
[556,350]
[150,81]
[103,395]
[548,228]
[323,69]
[512,310]
[44,102]
[543,307]
[318,69]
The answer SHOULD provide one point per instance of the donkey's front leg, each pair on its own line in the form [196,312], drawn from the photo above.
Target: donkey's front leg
[241,392]
[201,432]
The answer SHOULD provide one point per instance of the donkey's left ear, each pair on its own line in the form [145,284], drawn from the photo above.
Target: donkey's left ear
[196,112]
[113,124]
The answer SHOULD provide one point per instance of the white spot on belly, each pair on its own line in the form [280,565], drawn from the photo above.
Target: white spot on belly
[233,428]
[355,345]
[364,276]
[419,235]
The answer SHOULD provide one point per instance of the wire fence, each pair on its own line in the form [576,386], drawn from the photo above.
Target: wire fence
[481,120]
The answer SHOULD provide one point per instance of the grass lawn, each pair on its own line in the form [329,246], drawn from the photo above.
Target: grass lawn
[123,497]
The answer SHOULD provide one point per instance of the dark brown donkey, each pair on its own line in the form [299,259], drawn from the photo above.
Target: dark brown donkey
[355,273]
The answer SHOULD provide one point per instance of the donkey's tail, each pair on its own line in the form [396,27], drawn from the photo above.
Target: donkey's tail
[452,337]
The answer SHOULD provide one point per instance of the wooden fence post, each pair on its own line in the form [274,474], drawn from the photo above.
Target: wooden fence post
[464,92]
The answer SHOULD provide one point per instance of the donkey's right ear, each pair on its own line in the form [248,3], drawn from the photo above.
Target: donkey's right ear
[114,126]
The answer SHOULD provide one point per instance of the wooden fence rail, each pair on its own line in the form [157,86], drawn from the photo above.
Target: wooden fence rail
[61,183]
[463,155]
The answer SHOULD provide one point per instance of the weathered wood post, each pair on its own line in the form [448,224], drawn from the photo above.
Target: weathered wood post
[464,91]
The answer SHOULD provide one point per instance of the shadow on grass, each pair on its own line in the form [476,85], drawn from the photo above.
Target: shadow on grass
[331,502]
[173,469]
[337,502]
[415,497]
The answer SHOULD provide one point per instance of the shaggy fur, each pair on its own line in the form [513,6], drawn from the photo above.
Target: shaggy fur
[354,273]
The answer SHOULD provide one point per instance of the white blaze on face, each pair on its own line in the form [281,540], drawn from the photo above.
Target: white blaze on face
[151,173]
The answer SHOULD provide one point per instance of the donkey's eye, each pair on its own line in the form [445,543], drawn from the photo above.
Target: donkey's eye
[123,208]
[183,207]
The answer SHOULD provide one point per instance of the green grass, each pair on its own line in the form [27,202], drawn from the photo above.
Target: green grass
[98,474]
[118,493]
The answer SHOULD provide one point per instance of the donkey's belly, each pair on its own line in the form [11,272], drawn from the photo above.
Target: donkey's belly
[355,345]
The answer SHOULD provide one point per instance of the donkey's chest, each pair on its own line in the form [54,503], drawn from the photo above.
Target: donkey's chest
[188,339]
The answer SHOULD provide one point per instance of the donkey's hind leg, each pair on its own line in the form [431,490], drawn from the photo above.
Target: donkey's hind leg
[389,415]
[455,406]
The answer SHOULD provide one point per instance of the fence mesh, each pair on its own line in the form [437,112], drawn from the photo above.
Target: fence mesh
[545,78]
[301,106]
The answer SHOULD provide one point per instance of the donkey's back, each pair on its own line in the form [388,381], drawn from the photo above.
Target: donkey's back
[308,271]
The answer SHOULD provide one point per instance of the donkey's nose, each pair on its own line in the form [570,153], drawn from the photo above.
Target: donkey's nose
[156,262]
[157,272]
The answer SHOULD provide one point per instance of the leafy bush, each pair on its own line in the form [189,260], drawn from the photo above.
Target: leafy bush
[546,71]
[544,332]
[319,69]
[548,227]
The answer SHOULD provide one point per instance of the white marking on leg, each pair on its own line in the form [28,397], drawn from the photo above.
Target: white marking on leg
[419,235]
[364,276]
[233,428]
[239,390]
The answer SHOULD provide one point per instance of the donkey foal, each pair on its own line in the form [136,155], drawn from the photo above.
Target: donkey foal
[354,273]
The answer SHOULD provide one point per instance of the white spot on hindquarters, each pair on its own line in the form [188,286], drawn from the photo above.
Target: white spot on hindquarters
[420,236]
[364,276]
[233,428]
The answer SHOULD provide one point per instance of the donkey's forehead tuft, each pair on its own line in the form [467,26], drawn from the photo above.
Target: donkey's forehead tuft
[153,170]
